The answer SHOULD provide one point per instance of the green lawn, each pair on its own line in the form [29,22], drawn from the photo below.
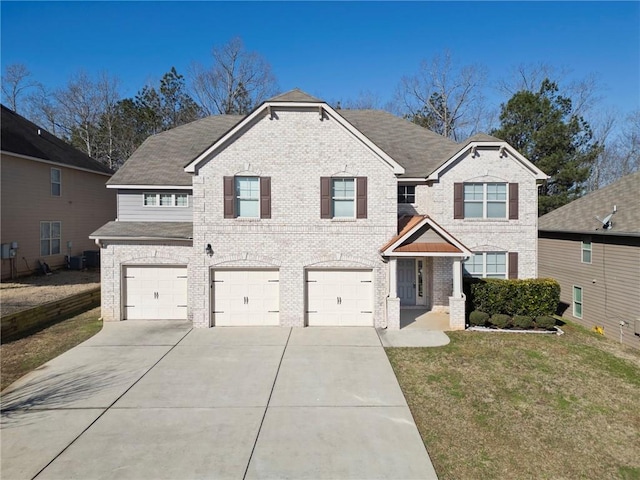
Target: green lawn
[19,357]
[515,406]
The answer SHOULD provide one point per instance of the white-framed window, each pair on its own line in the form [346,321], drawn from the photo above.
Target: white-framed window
[248,197]
[50,235]
[165,200]
[406,194]
[343,197]
[485,200]
[577,301]
[56,182]
[486,265]
[586,251]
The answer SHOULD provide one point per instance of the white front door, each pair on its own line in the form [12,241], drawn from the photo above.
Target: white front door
[245,297]
[339,298]
[407,281]
[155,293]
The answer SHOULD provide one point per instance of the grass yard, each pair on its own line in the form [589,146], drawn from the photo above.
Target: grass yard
[21,356]
[515,406]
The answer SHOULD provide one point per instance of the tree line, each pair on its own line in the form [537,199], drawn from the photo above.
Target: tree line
[557,125]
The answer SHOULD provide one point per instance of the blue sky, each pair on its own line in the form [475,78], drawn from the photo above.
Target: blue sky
[331,50]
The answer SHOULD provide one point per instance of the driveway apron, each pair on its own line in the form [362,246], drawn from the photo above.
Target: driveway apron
[155,400]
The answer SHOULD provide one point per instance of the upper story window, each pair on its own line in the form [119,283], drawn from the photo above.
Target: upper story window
[247,197]
[56,182]
[486,265]
[491,200]
[485,200]
[586,251]
[343,197]
[50,234]
[165,200]
[406,194]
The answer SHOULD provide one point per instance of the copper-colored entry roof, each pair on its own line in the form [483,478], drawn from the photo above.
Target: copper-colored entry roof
[428,248]
[405,224]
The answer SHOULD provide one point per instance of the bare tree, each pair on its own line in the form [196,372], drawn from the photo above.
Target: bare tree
[236,82]
[42,109]
[444,97]
[15,81]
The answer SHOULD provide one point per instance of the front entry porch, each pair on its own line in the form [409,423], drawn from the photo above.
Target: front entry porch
[424,319]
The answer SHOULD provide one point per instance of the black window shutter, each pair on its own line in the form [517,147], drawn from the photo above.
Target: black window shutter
[513,201]
[513,264]
[229,197]
[325,197]
[265,197]
[361,197]
[458,200]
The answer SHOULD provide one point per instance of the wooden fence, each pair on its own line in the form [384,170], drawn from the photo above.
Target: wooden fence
[18,323]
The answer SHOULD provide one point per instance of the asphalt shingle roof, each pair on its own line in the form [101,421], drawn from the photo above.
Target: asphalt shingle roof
[177,230]
[295,95]
[20,136]
[579,215]
[161,158]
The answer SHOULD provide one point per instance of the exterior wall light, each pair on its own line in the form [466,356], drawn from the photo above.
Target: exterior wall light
[208,250]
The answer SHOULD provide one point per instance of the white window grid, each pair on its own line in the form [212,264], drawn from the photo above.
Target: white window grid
[56,182]
[586,251]
[248,196]
[577,301]
[165,200]
[486,265]
[343,197]
[485,200]
[50,238]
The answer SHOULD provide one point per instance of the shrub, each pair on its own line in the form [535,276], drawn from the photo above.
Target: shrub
[546,322]
[500,320]
[478,318]
[522,321]
[532,298]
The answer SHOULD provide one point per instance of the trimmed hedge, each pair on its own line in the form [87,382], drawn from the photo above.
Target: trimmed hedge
[500,320]
[545,322]
[531,297]
[522,321]
[478,318]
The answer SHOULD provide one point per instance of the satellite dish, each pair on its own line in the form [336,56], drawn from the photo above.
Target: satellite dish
[607,224]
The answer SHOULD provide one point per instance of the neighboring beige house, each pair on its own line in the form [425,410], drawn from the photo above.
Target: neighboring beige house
[53,196]
[301,215]
[596,263]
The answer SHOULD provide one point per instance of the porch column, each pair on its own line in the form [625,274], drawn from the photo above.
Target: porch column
[393,275]
[457,278]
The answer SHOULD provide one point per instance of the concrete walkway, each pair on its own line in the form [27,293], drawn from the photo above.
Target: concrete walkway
[160,400]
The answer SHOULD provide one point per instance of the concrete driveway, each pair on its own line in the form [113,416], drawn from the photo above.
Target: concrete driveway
[160,400]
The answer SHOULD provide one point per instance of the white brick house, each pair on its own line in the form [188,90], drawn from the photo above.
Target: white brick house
[301,215]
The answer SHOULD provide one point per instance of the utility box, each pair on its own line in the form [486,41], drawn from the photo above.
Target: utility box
[6,250]
[92,258]
[76,263]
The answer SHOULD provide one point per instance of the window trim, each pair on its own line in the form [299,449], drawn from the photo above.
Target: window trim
[52,182]
[583,250]
[157,196]
[406,195]
[237,198]
[485,201]
[575,302]
[353,199]
[484,265]
[51,237]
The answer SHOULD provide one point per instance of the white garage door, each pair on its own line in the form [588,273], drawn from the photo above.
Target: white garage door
[245,297]
[339,298]
[155,293]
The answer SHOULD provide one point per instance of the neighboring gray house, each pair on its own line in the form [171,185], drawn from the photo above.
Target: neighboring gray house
[298,214]
[597,265]
[53,197]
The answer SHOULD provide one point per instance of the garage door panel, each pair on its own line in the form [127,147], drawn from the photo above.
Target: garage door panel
[339,298]
[246,297]
[155,293]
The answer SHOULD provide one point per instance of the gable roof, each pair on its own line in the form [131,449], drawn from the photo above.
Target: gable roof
[410,229]
[23,137]
[579,215]
[161,158]
[295,95]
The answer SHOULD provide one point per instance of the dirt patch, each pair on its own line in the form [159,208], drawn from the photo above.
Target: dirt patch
[29,292]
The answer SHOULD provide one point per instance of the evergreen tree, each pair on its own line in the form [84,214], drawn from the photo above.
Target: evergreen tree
[542,126]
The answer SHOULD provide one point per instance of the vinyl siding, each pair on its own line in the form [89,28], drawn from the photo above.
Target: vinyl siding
[610,283]
[132,209]
[85,205]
